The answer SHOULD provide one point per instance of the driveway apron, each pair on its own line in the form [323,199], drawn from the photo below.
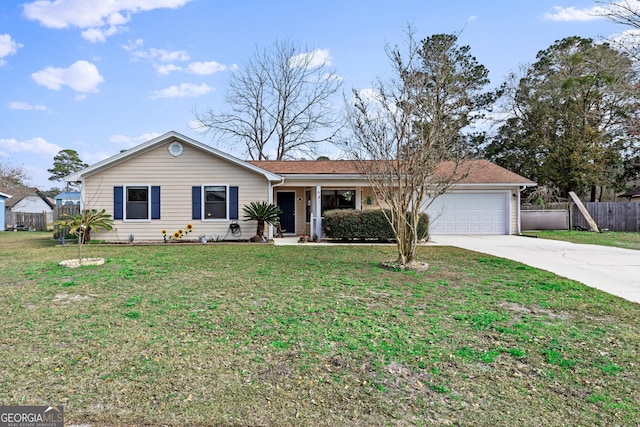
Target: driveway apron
[613,270]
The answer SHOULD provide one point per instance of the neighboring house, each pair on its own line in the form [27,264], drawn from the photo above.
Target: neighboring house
[631,195]
[68,198]
[3,197]
[22,207]
[172,180]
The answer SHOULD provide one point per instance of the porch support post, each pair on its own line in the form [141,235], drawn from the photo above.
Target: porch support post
[317,213]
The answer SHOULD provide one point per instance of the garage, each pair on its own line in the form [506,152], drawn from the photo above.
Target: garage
[470,213]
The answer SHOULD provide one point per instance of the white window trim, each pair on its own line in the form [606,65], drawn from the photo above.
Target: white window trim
[226,202]
[124,203]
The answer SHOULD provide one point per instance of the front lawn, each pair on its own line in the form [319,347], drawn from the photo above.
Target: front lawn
[252,334]
[608,238]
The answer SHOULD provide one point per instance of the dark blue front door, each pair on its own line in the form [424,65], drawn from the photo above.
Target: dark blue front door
[286,201]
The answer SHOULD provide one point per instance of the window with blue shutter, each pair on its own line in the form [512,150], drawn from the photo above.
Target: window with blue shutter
[196,202]
[118,207]
[215,201]
[233,202]
[136,202]
[155,202]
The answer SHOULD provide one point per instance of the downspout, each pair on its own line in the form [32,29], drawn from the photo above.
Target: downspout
[271,190]
[274,186]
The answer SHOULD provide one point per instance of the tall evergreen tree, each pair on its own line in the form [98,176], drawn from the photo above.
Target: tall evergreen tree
[65,163]
[570,116]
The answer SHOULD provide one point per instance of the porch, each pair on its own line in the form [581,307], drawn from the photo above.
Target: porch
[303,206]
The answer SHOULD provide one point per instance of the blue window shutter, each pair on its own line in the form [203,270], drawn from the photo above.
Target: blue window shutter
[155,202]
[233,202]
[118,193]
[196,202]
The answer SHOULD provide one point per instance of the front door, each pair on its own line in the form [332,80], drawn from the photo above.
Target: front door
[286,201]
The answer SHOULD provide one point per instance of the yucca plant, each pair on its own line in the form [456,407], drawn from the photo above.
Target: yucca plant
[264,213]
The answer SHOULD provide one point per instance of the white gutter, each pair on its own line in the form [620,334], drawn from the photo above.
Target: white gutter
[274,186]
[270,201]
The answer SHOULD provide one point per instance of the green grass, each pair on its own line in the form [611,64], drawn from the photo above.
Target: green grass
[252,334]
[609,238]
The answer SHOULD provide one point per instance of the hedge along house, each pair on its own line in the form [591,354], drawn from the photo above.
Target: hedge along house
[172,180]
[485,201]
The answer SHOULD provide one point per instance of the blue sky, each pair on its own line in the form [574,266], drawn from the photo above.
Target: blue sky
[102,76]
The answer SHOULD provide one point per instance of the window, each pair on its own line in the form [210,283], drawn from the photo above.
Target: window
[215,202]
[137,203]
[338,199]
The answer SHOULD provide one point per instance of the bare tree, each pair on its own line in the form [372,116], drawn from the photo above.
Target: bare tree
[12,177]
[627,13]
[407,130]
[279,100]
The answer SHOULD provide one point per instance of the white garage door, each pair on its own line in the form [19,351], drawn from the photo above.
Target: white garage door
[470,213]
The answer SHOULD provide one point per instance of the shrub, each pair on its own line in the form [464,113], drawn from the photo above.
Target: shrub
[370,224]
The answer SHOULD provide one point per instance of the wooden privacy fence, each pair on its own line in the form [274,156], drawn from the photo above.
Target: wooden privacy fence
[613,216]
[43,221]
[28,221]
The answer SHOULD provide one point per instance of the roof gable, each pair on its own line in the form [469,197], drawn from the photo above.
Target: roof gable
[631,193]
[163,139]
[18,194]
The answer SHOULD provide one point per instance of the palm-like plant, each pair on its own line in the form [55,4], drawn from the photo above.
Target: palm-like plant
[264,213]
[82,224]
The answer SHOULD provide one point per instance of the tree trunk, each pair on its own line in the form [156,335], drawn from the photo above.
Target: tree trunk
[260,229]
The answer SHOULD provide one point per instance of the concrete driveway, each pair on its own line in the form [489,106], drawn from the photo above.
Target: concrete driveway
[613,270]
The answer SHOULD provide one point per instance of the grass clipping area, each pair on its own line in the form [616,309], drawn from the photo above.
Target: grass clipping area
[215,335]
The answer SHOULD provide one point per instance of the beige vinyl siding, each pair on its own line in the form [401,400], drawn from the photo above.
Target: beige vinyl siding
[514,212]
[175,176]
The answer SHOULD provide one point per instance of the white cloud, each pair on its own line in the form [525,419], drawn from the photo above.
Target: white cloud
[628,40]
[81,76]
[154,54]
[182,91]
[99,19]
[91,157]
[205,68]
[21,105]
[167,69]
[572,13]
[98,34]
[8,46]
[370,95]
[311,59]
[133,45]
[163,60]
[36,145]
[132,141]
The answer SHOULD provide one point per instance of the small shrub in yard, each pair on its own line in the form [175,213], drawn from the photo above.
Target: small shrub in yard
[370,224]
